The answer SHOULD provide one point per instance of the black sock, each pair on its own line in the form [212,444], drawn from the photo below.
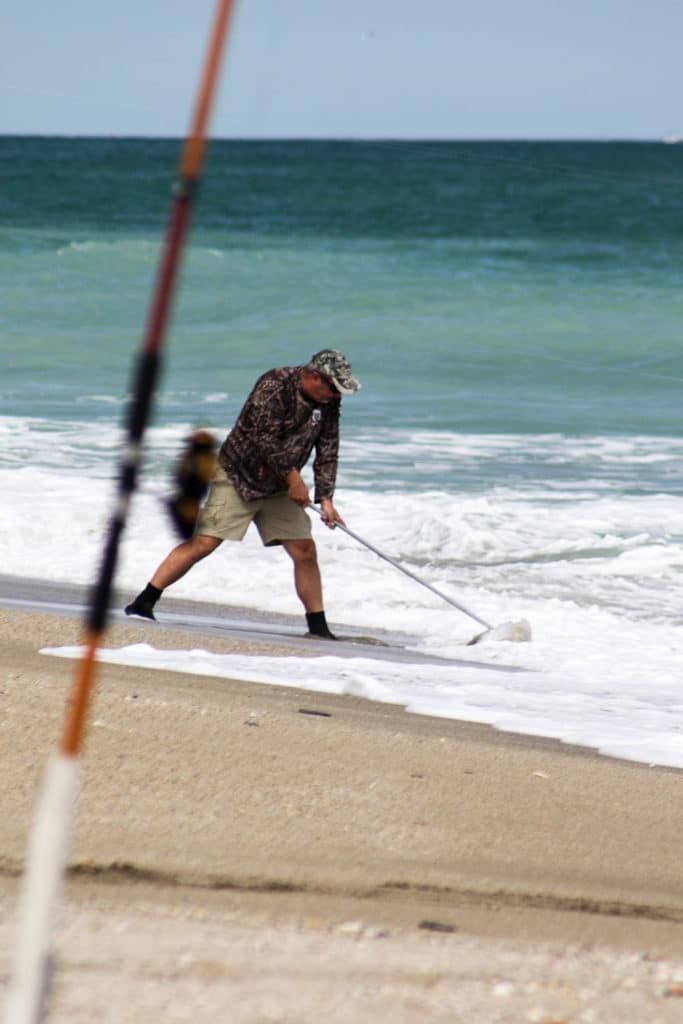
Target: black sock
[151,594]
[143,605]
[317,625]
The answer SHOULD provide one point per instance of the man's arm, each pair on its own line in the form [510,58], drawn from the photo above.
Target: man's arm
[330,515]
[297,489]
[326,456]
[325,468]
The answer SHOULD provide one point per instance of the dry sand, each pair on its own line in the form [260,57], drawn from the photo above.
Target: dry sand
[238,858]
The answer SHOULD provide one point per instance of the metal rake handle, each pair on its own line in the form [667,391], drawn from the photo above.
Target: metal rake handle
[407,572]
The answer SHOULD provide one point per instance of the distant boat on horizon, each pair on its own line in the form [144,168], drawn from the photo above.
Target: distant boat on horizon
[671,139]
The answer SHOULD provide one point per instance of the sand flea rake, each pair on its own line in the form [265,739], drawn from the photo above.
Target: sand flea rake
[516,632]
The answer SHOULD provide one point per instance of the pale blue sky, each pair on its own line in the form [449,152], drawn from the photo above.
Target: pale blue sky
[349,68]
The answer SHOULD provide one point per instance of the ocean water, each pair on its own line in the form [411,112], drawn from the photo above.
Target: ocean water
[514,313]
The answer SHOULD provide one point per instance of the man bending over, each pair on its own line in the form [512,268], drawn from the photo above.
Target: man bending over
[290,412]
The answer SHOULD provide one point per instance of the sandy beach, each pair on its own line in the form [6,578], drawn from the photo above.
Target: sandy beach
[250,853]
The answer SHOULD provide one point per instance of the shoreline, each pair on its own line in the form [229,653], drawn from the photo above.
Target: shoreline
[214,807]
[249,631]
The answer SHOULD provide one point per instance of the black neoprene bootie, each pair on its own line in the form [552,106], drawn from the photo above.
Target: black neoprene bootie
[317,626]
[143,605]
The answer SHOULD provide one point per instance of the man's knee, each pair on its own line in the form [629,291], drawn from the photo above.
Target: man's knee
[202,545]
[302,552]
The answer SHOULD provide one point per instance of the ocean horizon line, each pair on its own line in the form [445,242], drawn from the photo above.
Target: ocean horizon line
[669,139]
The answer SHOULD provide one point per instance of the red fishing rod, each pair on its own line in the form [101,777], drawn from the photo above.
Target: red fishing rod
[149,361]
[49,839]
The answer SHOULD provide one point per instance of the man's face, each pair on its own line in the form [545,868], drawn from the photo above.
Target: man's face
[319,388]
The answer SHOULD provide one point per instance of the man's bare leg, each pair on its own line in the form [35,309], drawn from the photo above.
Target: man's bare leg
[182,558]
[173,567]
[308,584]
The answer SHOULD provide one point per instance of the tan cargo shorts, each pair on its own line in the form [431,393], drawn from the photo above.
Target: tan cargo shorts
[227,516]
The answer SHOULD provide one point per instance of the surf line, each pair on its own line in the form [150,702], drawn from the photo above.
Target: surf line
[30,977]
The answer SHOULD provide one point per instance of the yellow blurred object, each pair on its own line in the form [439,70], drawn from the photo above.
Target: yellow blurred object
[191,477]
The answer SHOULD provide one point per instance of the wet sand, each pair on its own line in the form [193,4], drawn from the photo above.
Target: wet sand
[253,853]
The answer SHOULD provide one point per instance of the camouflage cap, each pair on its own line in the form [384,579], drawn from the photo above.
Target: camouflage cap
[334,364]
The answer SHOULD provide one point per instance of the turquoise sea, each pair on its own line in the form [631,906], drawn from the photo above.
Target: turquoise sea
[514,311]
[478,286]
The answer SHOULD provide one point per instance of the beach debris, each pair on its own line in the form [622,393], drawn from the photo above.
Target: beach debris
[676,992]
[373,641]
[359,930]
[541,775]
[314,711]
[436,926]
[314,924]
[354,929]
[518,632]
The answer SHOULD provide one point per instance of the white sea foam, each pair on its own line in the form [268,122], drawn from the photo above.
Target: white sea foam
[597,571]
[621,716]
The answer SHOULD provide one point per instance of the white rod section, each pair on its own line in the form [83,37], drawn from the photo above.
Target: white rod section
[40,892]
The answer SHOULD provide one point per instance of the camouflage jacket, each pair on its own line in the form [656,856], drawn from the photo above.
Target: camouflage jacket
[275,432]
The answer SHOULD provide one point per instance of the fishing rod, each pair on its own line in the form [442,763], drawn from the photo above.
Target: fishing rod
[50,833]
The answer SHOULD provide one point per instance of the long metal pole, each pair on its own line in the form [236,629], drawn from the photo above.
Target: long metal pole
[50,834]
[407,572]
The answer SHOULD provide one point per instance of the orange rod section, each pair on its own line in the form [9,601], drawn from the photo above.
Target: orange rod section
[193,153]
[74,726]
